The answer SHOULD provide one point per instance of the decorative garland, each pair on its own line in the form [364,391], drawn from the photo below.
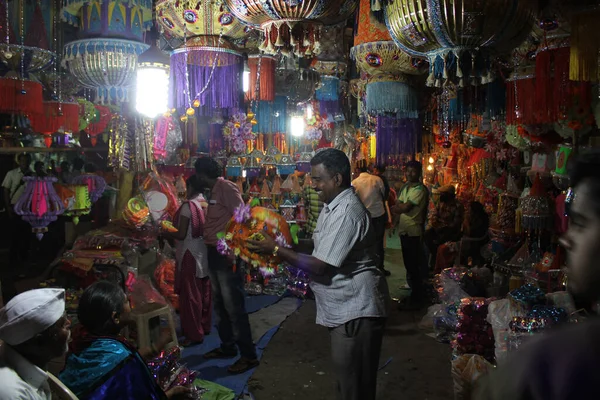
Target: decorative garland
[237,130]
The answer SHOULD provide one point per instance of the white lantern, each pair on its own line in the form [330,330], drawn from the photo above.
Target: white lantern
[152,86]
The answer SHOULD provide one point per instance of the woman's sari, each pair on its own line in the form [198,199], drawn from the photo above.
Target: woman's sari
[108,368]
[191,278]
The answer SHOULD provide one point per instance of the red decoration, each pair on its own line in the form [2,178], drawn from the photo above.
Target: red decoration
[20,97]
[267,78]
[56,116]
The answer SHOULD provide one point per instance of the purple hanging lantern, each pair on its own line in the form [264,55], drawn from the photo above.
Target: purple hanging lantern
[39,204]
[396,137]
[205,73]
[96,185]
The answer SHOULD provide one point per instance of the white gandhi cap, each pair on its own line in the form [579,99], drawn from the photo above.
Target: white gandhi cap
[30,313]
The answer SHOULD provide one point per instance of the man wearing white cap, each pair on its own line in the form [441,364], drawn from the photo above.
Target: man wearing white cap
[35,330]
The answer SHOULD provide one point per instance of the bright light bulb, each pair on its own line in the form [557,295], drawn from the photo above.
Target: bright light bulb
[431,160]
[152,91]
[246,81]
[430,168]
[297,126]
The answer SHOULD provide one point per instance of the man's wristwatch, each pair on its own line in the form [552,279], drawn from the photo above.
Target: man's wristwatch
[275,250]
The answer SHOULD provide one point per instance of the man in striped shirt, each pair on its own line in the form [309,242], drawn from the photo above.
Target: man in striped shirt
[350,291]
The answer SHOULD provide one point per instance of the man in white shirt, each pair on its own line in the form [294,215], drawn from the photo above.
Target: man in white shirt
[371,191]
[35,330]
[13,187]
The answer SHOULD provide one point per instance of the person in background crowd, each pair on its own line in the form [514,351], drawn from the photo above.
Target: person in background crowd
[379,170]
[90,168]
[445,223]
[411,208]
[191,278]
[64,176]
[35,330]
[13,186]
[102,364]
[39,169]
[78,165]
[226,277]
[474,236]
[564,363]
[350,290]
[371,191]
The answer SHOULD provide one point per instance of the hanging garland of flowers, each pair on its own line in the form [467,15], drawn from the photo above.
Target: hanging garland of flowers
[237,131]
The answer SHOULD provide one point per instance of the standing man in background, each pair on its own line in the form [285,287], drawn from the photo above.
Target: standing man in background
[226,276]
[371,191]
[13,187]
[411,208]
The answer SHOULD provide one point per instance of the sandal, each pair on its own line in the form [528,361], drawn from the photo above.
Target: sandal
[189,343]
[218,353]
[242,365]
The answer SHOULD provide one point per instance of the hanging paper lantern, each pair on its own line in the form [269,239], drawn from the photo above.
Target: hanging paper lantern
[457,36]
[183,18]
[520,101]
[392,95]
[234,166]
[297,84]
[109,18]
[374,51]
[207,70]
[107,65]
[271,156]
[31,21]
[303,161]
[95,183]
[252,165]
[286,165]
[39,204]
[266,85]
[291,26]
[20,97]
[271,116]
[76,200]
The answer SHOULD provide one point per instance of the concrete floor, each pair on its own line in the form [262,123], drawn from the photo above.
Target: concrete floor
[296,363]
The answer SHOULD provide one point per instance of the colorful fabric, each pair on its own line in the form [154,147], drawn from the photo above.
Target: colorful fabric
[193,242]
[195,303]
[108,368]
[314,207]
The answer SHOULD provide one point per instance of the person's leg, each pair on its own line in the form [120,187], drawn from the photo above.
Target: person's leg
[233,294]
[218,279]
[411,252]
[355,351]
[190,301]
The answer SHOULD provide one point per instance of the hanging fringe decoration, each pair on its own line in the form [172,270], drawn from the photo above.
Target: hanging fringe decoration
[395,98]
[585,46]
[267,77]
[520,104]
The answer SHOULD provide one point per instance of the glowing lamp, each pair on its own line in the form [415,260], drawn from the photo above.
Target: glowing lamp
[39,204]
[431,160]
[152,86]
[297,125]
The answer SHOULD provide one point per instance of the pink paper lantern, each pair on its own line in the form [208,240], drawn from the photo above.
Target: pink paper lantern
[39,204]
